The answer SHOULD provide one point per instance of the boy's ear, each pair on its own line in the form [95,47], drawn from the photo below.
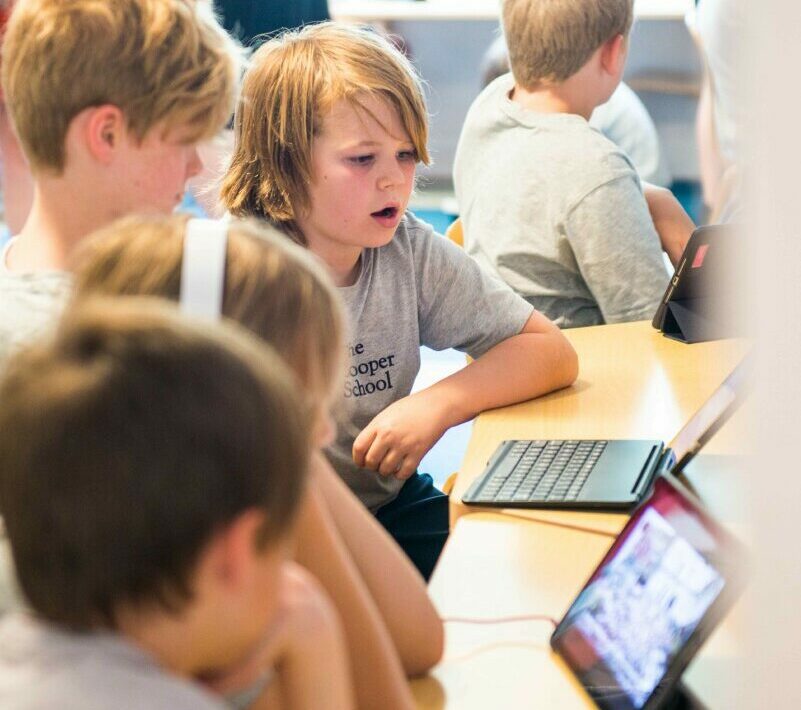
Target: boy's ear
[613,55]
[232,551]
[104,131]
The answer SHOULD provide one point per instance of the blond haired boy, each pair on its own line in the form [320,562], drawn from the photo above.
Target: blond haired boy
[329,130]
[548,203]
[109,99]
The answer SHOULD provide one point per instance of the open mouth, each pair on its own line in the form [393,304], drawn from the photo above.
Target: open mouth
[386,213]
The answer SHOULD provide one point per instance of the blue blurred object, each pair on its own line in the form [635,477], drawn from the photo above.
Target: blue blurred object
[190,205]
[436,218]
[688,192]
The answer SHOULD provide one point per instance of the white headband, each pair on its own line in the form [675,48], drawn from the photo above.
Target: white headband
[203,268]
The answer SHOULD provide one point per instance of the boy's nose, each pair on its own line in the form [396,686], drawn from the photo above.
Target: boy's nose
[391,176]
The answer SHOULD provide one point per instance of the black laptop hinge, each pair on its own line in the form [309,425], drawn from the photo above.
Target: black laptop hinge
[647,469]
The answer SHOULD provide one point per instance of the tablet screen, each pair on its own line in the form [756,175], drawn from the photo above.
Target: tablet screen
[711,416]
[654,589]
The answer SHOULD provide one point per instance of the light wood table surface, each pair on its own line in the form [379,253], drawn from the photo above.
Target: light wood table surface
[496,566]
[633,384]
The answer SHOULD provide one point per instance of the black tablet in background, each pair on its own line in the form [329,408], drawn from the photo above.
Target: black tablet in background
[704,298]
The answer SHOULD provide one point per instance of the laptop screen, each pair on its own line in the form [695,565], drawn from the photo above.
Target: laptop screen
[710,417]
[628,634]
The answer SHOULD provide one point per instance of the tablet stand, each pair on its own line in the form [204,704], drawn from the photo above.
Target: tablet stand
[695,321]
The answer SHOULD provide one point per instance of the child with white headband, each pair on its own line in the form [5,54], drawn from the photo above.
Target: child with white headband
[245,272]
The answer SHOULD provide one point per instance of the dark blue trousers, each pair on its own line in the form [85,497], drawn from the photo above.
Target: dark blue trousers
[418,520]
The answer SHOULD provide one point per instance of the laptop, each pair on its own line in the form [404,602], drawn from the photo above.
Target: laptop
[598,474]
[666,582]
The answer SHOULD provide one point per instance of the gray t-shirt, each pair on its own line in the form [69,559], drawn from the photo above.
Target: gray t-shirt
[29,303]
[557,211]
[42,667]
[420,289]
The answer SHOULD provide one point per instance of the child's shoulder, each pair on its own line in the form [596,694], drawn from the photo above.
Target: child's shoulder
[50,667]
[415,236]
[416,247]
[486,113]
[569,159]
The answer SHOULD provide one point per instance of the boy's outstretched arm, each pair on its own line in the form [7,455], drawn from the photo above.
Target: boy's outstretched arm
[537,360]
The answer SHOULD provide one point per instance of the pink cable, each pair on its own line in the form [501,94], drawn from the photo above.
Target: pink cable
[499,619]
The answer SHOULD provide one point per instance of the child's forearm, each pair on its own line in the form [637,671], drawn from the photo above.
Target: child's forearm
[536,361]
[378,676]
[394,584]
[673,225]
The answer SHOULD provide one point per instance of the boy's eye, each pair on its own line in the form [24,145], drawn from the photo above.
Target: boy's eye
[408,155]
[362,159]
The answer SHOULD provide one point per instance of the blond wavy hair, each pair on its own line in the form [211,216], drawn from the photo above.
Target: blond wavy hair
[275,289]
[293,80]
[165,63]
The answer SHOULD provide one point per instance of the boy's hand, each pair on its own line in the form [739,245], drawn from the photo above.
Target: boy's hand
[397,439]
[672,223]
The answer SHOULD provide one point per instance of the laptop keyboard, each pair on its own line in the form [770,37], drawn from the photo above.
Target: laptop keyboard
[542,471]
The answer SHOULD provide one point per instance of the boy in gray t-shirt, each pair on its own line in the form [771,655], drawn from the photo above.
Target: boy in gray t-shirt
[341,186]
[106,149]
[420,289]
[548,203]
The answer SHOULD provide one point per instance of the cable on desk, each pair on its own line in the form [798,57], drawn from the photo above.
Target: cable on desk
[499,619]
[525,644]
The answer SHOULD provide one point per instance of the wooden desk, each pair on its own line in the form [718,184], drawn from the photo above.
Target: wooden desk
[494,565]
[469,10]
[633,384]
[498,566]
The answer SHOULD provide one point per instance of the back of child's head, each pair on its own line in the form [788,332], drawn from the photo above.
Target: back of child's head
[127,441]
[293,81]
[550,40]
[272,287]
[163,63]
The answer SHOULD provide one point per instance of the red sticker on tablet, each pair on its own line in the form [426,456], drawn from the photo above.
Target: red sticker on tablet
[700,255]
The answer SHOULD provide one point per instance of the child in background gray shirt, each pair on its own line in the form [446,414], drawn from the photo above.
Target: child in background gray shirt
[556,210]
[548,203]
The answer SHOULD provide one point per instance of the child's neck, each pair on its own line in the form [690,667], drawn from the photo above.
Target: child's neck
[343,263]
[59,219]
[576,95]
[172,642]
